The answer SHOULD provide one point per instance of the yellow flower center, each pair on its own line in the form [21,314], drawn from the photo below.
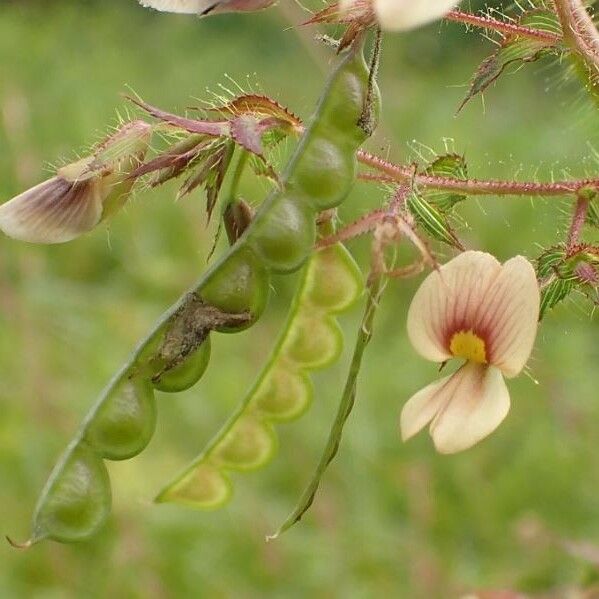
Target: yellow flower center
[468,345]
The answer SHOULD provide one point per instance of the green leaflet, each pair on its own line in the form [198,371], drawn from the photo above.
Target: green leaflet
[310,340]
[451,166]
[432,220]
[515,49]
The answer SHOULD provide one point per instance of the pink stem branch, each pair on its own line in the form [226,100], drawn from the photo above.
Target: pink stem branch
[486,22]
[400,173]
[579,29]
[578,219]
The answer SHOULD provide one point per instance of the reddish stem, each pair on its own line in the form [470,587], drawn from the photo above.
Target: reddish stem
[402,173]
[578,219]
[486,22]
[579,29]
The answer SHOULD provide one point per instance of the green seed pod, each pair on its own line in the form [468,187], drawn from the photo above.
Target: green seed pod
[284,236]
[325,173]
[283,395]
[124,422]
[186,374]
[283,390]
[76,500]
[314,342]
[334,280]
[247,446]
[239,287]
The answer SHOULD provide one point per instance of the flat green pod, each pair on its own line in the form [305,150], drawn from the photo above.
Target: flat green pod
[187,373]
[204,487]
[239,287]
[284,236]
[248,445]
[283,394]
[124,422]
[314,342]
[76,499]
[334,281]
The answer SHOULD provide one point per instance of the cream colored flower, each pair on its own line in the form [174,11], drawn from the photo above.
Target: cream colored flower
[400,15]
[204,7]
[82,194]
[486,313]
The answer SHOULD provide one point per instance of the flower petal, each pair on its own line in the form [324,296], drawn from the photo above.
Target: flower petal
[203,7]
[474,406]
[400,15]
[54,211]
[510,316]
[192,7]
[448,301]
[422,407]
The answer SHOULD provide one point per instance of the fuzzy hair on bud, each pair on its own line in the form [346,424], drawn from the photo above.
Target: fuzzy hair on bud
[205,7]
[81,194]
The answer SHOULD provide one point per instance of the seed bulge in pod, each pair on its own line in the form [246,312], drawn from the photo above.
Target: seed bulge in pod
[238,290]
[204,487]
[325,172]
[335,281]
[76,500]
[284,235]
[247,446]
[284,394]
[125,421]
[187,373]
[314,342]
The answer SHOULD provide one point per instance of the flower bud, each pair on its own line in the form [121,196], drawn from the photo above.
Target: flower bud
[81,194]
[205,7]
[399,15]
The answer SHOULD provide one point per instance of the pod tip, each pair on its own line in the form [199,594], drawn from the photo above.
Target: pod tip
[25,545]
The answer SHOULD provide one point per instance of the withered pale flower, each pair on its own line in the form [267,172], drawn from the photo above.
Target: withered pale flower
[486,313]
[205,7]
[81,194]
[400,15]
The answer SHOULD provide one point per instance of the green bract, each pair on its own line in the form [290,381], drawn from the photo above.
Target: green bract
[229,297]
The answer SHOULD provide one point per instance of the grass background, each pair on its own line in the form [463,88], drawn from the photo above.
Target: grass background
[391,519]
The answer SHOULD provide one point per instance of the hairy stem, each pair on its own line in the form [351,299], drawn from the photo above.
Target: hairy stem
[579,217]
[579,30]
[486,22]
[391,173]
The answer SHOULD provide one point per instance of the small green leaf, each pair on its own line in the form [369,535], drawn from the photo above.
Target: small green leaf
[515,49]
[432,220]
[452,166]
[554,293]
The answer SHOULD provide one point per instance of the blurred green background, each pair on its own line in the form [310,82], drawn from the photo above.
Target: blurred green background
[391,519]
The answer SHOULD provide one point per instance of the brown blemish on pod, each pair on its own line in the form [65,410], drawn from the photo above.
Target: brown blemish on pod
[188,328]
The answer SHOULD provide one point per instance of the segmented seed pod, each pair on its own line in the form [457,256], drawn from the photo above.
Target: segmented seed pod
[230,297]
[283,391]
